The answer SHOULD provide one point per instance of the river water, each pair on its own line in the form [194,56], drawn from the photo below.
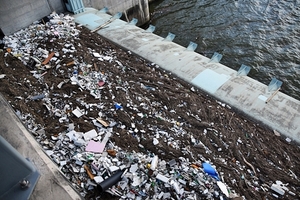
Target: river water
[262,34]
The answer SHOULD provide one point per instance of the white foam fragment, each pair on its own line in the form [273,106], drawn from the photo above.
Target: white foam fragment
[97,55]
[276,188]
[98,179]
[162,178]
[77,112]
[90,135]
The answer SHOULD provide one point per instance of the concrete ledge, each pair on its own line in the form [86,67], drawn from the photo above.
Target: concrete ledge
[282,113]
[52,184]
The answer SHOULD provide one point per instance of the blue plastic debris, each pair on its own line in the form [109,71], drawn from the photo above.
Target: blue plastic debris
[75,73]
[118,106]
[210,170]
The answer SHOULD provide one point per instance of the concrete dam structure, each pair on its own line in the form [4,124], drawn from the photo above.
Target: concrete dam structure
[263,103]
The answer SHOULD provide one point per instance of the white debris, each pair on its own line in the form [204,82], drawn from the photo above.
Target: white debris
[2,76]
[162,178]
[155,141]
[90,135]
[98,179]
[77,112]
[97,55]
[277,189]
[154,163]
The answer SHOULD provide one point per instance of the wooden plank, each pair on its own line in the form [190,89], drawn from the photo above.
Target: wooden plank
[48,58]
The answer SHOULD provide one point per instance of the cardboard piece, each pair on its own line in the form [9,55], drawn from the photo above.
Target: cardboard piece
[48,58]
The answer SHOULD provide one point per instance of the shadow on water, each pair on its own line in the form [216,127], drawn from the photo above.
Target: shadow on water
[260,34]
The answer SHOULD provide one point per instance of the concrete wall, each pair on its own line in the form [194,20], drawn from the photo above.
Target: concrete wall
[57,5]
[18,14]
[138,9]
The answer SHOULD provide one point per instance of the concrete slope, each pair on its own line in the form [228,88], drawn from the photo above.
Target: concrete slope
[51,185]
[241,92]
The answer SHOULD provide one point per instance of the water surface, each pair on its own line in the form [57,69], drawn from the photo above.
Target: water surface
[264,34]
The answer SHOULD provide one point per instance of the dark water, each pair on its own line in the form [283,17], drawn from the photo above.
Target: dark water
[263,34]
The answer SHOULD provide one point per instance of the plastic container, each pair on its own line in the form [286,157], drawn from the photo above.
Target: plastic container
[114,179]
[210,170]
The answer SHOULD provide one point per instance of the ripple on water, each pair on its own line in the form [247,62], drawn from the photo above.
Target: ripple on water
[262,34]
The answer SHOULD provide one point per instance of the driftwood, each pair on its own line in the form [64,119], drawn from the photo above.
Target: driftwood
[269,99]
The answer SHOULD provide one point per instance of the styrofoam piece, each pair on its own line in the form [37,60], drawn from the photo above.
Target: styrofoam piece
[72,135]
[77,112]
[276,188]
[50,152]
[133,168]
[223,188]
[79,142]
[155,141]
[90,135]
[2,76]
[136,181]
[97,55]
[98,179]
[63,163]
[154,163]
[162,178]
